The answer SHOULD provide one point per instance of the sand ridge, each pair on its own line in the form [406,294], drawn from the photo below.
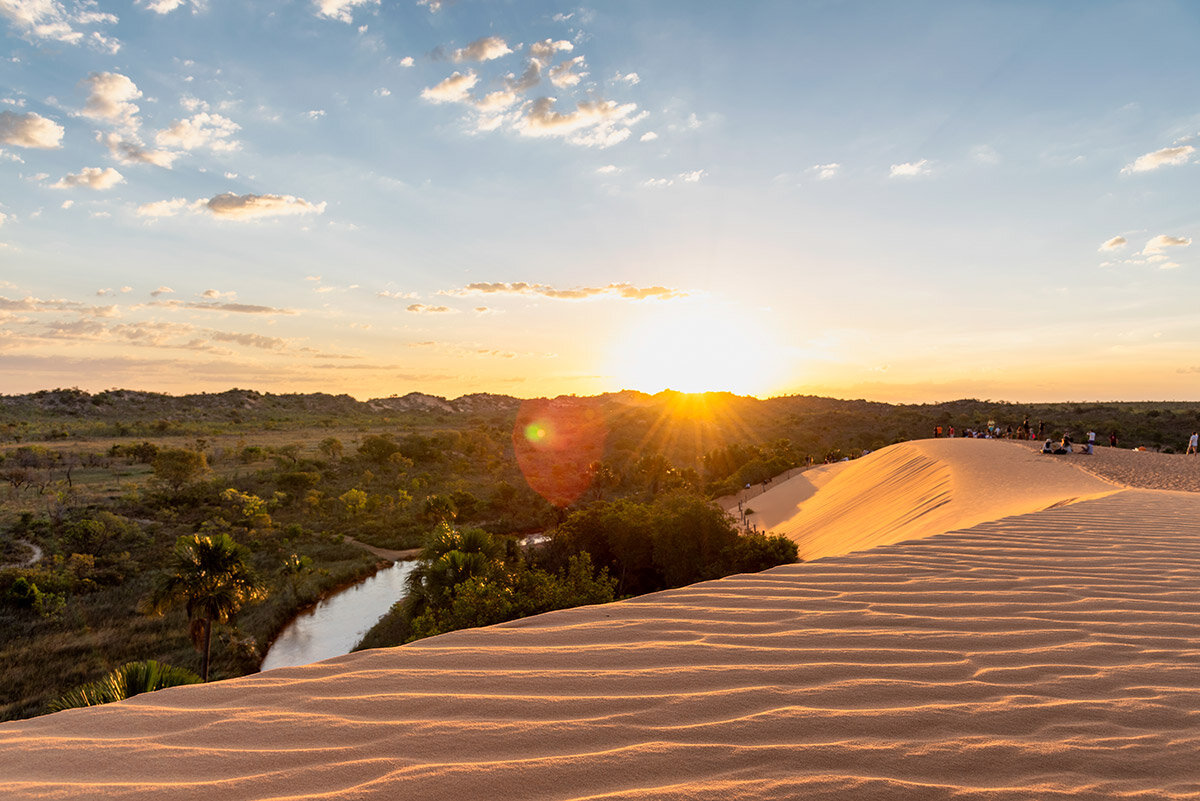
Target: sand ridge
[1048,655]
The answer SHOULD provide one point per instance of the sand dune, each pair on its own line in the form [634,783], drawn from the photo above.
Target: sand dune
[1051,654]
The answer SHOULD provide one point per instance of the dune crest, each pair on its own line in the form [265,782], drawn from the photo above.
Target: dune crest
[920,489]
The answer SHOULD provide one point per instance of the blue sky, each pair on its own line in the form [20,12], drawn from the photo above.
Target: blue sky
[913,201]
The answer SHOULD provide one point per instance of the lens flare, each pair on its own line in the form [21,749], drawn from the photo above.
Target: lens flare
[556,442]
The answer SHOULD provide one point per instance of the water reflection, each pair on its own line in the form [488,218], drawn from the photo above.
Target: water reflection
[334,626]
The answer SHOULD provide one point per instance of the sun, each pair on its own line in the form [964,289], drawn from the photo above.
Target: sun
[698,348]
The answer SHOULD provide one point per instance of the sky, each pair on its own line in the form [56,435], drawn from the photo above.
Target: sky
[907,202]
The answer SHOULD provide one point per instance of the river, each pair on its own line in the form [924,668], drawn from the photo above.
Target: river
[335,625]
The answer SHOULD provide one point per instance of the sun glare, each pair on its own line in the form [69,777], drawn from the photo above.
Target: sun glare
[698,349]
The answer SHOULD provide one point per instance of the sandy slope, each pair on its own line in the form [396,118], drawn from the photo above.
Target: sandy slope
[1054,654]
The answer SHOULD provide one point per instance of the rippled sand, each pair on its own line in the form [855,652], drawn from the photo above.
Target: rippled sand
[1049,651]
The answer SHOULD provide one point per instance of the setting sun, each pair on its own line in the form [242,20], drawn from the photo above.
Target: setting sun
[698,348]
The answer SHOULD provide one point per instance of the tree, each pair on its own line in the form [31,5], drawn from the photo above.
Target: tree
[176,466]
[212,581]
[130,679]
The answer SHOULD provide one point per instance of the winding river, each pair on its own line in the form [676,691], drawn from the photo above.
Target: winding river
[337,624]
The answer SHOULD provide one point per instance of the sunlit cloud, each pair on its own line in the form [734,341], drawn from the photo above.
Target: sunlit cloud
[162,208]
[1161,242]
[162,290]
[648,136]
[212,131]
[1114,243]
[30,130]
[619,290]
[235,308]
[547,48]
[131,151]
[383,293]
[598,123]
[90,178]
[421,308]
[249,207]
[631,78]
[1166,157]
[910,169]
[485,49]
[496,101]
[110,99]
[608,169]
[564,74]
[407,61]
[341,10]
[454,89]
[55,21]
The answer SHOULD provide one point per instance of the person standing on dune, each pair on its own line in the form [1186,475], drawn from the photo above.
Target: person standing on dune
[1193,442]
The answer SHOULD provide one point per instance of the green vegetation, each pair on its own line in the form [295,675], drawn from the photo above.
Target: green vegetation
[102,486]
[130,679]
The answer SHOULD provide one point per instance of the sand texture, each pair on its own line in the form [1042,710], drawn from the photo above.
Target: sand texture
[1052,652]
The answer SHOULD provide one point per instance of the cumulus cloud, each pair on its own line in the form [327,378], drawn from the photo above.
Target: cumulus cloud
[485,49]
[1114,243]
[340,10]
[407,61]
[631,78]
[248,207]
[29,130]
[1160,243]
[825,172]
[621,290]
[648,136]
[132,151]
[545,49]
[90,178]
[598,123]
[910,169]
[213,131]
[421,308]
[162,208]
[54,20]
[564,74]
[110,99]
[1166,157]
[167,6]
[496,101]
[454,89]
[162,290]
[608,169]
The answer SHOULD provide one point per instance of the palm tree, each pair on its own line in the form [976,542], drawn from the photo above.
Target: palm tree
[211,579]
[449,557]
[130,679]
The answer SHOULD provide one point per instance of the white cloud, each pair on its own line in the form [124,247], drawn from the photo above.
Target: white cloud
[593,123]
[434,6]
[608,169]
[496,101]
[29,130]
[648,136]
[201,130]
[66,204]
[825,172]
[545,49]
[162,208]
[53,20]
[110,99]
[340,10]
[247,207]
[383,91]
[692,177]
[397,295]
[315,114]
[452,90]
[1167,157]
[485,49]
[3,217]
[631,78]
[530,78]
[910,169]
[132,151]
[407,61]
[1161,242]
[91,178]
[619,290]
[167,6]
[1114,243]
[564,74]
[162,290]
